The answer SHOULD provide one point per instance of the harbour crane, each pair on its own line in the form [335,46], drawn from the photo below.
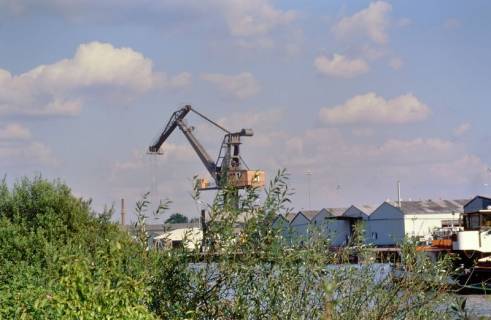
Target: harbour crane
[229,169]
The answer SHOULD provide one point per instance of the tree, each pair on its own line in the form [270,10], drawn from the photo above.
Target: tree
[177,218]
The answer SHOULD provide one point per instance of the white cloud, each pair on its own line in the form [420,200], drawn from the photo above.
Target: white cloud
[14,131]
[17,148]
[371,22]
[404,22]
[452,23]
[370,108]
[59,88]
[462,129]
[169,152]
[396,63]
[451,172]
[241,86]
[253,17]
[340,66]
[250,21]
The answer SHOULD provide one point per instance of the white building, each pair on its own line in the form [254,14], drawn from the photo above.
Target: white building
[389,223]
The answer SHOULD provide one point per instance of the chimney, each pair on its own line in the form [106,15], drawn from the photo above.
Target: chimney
[123,213]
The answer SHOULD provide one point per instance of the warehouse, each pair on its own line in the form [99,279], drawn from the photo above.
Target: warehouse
[391,221]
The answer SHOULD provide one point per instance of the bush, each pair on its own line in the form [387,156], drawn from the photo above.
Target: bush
[60,260]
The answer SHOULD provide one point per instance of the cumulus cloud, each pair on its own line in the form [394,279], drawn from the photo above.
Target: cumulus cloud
[253,17]
[371,22]
[340,66]
[240,86]
[18,148]
[251,21]
[367,171]
[14,131]
[140,160]
[462,129]
[452,23]
[59,88]
[370,108]
[396,63]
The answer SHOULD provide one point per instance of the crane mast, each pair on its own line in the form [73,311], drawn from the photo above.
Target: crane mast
[229,168]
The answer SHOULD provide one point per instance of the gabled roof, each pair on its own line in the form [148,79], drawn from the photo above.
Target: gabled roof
[367,208]
[279,217]
[431,206]
[354,212]
[290,216]
[477,197]
[309,214]
[336,212]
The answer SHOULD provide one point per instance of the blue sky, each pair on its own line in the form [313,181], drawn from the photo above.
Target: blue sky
[361,93]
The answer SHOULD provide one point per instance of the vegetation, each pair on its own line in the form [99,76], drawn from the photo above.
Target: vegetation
[60,260]
[177,218]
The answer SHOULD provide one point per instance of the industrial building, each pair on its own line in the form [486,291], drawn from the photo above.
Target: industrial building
[385,225]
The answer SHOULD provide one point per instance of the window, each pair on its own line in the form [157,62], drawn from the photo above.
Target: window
[486,220]
[473,221]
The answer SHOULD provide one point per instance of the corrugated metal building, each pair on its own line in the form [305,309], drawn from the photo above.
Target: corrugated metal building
[389,223]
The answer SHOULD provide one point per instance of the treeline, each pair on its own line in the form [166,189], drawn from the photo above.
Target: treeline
[61,260]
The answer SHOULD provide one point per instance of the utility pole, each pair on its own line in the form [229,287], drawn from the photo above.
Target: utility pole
[308,173]
[123,213]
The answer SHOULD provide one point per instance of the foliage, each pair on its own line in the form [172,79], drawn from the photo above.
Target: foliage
[177,218]
[59,260]
[256,273]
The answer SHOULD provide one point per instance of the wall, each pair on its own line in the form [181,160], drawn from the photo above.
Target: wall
[423,225]
[385,226]
[299,227]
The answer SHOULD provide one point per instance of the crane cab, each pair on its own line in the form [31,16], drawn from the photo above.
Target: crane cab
[246,178]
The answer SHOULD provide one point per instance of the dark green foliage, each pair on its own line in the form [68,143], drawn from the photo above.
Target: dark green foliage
[59,261]
[177,218]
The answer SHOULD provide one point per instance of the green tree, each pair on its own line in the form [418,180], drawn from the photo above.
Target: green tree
[60,260]
[177,218]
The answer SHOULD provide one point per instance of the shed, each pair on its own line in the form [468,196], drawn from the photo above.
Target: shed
[300,223]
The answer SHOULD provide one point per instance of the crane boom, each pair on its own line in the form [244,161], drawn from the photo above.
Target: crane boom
[169,128]
[198,148]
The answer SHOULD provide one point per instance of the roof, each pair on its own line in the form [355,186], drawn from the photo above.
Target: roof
[367,208]
[279,217]
[431,206]
[336,212]
[476,197]
[179,234]
[309,214]
[290,216]
[158,228]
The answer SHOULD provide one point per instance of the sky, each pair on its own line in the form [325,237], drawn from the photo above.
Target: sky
[362,94]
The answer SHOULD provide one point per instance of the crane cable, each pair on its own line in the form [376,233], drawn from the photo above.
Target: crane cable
[211,121]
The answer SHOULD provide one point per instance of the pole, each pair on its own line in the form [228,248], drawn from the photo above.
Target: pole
[399,193]
[203,229]
[308,173]
[123,213]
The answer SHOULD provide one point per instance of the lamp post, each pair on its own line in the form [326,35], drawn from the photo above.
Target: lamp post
[308,173]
